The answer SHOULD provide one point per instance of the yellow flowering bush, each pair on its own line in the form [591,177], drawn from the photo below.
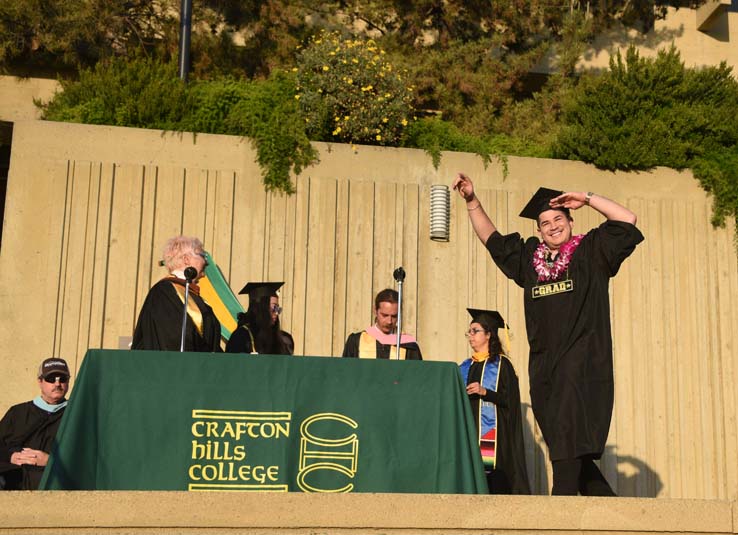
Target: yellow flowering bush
[348,92]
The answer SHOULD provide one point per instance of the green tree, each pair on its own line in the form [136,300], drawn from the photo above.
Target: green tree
[62,34]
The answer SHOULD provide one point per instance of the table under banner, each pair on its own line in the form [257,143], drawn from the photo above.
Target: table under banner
[145,420]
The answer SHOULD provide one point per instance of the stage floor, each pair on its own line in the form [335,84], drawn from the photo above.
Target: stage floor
[109,512]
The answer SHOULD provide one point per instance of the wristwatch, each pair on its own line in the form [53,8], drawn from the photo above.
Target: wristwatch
[588,197]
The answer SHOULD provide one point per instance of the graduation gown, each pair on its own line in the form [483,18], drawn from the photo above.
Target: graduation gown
[570,364]
[351,349]
[26,426]
[241,342]
[159,325]
[510,473]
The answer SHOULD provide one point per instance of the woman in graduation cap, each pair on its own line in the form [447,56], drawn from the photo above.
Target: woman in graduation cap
[493,391]
[258,328]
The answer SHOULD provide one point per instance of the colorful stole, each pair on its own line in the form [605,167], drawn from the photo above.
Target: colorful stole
[368,348]
[192,309]
[487,415]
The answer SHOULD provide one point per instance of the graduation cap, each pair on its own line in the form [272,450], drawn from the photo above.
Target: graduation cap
[490,319]
[540,203]
[257,290]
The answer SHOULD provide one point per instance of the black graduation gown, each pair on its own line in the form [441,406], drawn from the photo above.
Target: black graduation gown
[570,365]
[26,426]
[240,342]
[159,325]
[510,475]
[351,349]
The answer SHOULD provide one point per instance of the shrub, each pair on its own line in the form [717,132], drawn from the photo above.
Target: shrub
[648,112]
[717,172]
[146,93]
[434,135]
[349,92]
[264,111]
[139,92]
[269,115]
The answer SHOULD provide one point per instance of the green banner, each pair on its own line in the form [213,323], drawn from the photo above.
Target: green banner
[146,420]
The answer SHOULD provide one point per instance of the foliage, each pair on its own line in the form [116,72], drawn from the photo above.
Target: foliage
[269,115]
[62,34]
[141,93]
[434,135]
[530,126]
[469,83]
[146,93]
[717,172]
[469,65]
[349,92]
[648,112]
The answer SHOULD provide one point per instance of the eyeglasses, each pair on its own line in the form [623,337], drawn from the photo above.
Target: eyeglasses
[276,309]
[472,332]
[57,377]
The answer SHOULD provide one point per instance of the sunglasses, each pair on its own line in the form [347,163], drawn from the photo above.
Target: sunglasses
[57,377]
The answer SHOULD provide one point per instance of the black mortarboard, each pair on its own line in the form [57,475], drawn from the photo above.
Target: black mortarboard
[257,290]
[539,203]
[489,318]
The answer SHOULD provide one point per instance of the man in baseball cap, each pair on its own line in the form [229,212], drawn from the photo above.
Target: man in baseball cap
[28,429]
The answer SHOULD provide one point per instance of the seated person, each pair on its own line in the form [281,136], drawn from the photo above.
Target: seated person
[159,325]
[258,328]
[493,391]
[28,429]
[380,340]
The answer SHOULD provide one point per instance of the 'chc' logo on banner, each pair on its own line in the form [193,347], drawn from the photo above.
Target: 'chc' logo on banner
[326,455]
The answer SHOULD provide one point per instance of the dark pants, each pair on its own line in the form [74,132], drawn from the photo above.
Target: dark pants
[497,483]
[580,475]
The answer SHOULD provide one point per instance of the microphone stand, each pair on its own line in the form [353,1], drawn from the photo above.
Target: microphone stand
[190,273]
[399,275]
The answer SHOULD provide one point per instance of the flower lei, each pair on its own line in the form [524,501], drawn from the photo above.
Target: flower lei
[552,270]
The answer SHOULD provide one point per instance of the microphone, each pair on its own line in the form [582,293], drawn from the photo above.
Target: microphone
[190,273]
[399,275]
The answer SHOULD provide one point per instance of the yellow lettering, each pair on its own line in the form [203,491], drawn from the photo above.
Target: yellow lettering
[192,472]
[212,429]
[198,450]
[228,430]
[283,429]
[240,429]
[195,426]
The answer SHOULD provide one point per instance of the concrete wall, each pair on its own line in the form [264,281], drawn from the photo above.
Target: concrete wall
[251,513]
[17,95]
[89,208]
